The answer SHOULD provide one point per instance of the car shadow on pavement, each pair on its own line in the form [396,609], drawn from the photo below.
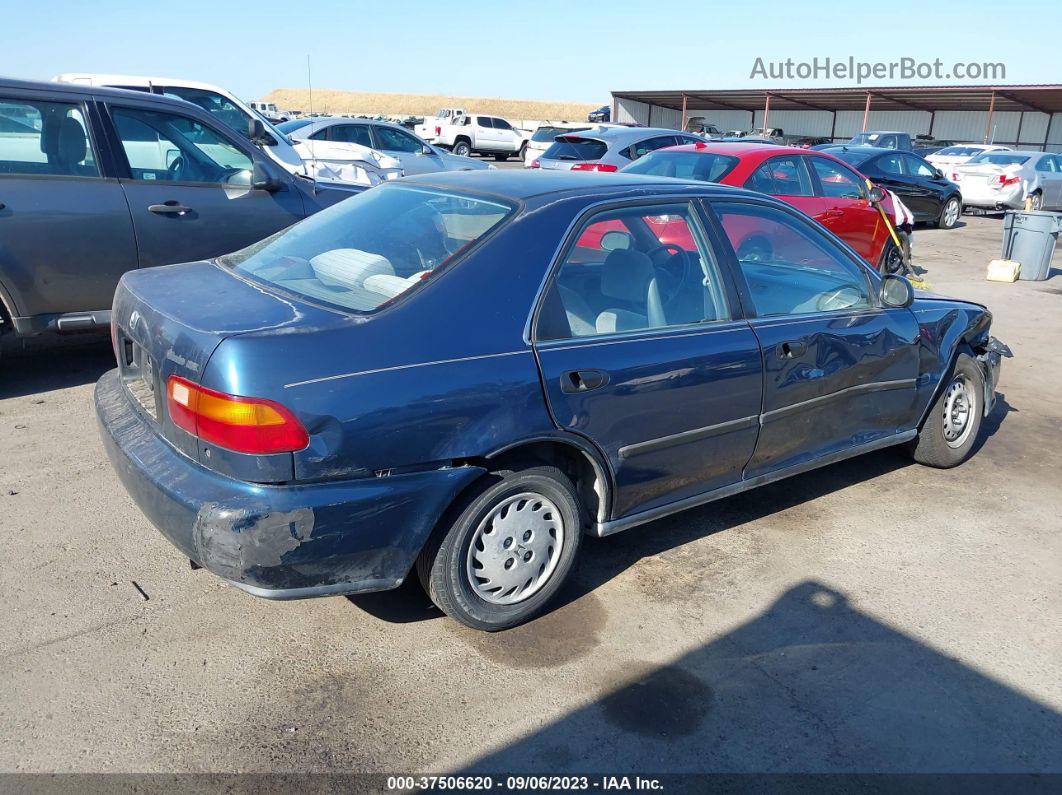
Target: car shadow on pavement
[44,364]
[810,685]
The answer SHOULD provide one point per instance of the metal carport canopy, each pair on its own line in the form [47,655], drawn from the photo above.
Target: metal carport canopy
[1044,98]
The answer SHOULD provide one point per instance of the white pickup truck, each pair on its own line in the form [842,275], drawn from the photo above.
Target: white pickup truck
[464,134]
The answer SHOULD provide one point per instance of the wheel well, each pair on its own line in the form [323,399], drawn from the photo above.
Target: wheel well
[464,138]
[587,475]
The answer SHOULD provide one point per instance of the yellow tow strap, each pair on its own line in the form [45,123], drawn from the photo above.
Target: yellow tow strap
[914,280]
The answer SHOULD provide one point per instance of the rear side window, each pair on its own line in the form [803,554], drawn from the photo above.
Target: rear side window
[703,166]
[484,121]
[165,147]
[650,145]
[781,176]
[45,138]
[363,252]
[574,148]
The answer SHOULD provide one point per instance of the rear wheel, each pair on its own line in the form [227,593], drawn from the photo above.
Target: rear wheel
[501,157]
[1036,201]
[462,149]
[505,549]
[949,213]
[950,431]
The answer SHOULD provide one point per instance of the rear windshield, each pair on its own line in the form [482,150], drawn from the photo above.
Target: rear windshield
[543,134]
[703,166]
[854,158]
[365,251]
[960,151]
[994,159]
[289,127]
[575,148]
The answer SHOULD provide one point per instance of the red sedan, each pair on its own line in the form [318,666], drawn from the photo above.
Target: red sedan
[819,184]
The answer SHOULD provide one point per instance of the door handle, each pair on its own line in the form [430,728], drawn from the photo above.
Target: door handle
[170,207]
[582,380]
[792,349]
[833,214]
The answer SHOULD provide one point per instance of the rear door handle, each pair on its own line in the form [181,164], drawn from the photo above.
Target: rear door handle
[583,380]
[792,349]
[170,207]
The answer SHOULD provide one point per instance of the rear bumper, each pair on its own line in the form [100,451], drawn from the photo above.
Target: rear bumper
[988,199]
[279,542]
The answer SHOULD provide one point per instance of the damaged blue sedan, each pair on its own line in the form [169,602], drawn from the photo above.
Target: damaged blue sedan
[461,374]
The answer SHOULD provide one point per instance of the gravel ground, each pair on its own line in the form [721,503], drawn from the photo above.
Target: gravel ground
[871,616]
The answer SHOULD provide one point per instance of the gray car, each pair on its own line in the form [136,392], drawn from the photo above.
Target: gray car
[609,148]
[417,156]
[95,182]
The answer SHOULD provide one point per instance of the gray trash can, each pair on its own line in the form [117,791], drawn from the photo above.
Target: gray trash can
[1029,238]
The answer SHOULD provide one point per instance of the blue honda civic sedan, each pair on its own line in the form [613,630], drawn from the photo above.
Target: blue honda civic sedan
[462,373]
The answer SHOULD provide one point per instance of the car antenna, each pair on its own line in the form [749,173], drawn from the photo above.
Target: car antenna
[309,142]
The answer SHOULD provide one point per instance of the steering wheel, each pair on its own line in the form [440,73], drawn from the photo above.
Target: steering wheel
[835,299]
[678,255]
[173,171]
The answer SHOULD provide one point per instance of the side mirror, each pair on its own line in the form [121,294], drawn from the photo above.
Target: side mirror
[896,291]
[939,174]
[614,239]
[425,150]
[255,130]
[876,195]
[261,179]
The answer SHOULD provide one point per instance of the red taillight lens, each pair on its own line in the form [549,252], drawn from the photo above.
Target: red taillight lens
[438,130]
[1004,180]
[535,163]
[240,424]
[594,167]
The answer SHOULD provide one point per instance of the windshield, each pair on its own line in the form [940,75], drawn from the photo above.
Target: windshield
[996,159]
[703,166]
[543,134]
[870,139]
[574,148]
[365,251]
[288,127]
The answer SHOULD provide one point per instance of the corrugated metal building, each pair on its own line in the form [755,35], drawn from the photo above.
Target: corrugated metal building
[1027,117]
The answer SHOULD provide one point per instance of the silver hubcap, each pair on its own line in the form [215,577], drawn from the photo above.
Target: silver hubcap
[951,214]
[1036,201]
[959,406]
[515,549]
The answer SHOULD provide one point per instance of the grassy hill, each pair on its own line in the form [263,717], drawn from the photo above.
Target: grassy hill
[330,101]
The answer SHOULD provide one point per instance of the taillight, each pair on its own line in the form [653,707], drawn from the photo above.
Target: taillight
[594,167]
[1004,180]
[240,424]
[535,163]
[438,130]
[956,177]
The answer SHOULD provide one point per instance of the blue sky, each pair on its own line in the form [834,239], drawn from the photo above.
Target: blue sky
[544,49]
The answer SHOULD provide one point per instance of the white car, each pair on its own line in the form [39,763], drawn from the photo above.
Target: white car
[323,160]
[956,155]
[543,137]
[474,132]
[1003,180]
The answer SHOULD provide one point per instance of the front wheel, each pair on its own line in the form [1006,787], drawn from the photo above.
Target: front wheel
[950,431]
[891,260]
[1036,201]
[949,214]
[505,549]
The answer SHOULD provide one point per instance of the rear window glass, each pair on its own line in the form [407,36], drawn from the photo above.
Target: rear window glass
[995,159]
[703,166]
[362,253]
[543,134]
[959,151]
[574,148]
[855,158]
[289,127]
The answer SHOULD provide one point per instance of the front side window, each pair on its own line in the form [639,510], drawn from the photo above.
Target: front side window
[703,166]
[221,108]
[781,176]
[836,181]
[633,269]
[45,138]
[789,266]
[165,147]
[394,140]
[1046,164]
[502,124]
[363,252]
[350,134]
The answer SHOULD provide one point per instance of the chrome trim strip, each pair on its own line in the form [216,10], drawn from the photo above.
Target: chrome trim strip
[314,591]
[874,386]
[404,367]
[625,523]
[696,434]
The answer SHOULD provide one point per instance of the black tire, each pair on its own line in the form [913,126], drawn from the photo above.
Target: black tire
[932,447]
[891,260]
[444,565]
[501,157]
[950,213]
[522,154]
[1037,200]
[462,149]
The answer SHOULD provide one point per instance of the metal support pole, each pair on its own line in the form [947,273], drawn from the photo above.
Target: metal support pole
[683,128]
[833,127]
[766,112]
[866,113]
[991,110]
[1017,138]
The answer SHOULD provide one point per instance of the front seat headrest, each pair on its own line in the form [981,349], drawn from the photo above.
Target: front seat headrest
[626,275]
[71,144]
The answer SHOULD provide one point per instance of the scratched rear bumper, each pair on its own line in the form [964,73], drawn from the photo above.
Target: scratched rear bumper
[279,542]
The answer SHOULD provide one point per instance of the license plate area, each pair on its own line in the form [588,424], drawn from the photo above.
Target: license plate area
[139,375]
